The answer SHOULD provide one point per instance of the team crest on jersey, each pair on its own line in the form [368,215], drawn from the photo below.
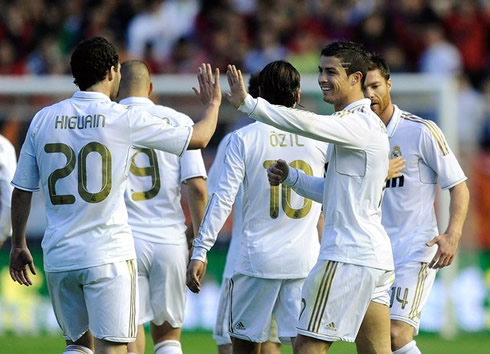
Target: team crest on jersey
[397,152]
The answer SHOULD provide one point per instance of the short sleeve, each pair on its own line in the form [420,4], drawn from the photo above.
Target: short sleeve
[155,133]
[439,157]
[26,176]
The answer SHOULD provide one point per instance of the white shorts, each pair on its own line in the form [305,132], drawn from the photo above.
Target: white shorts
[220,330]
[161,282]
[410,291]
[254,303]
[336,296]
[102,299]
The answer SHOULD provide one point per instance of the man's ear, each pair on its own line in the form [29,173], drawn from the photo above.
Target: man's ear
[298,96]
[150,89]
[112,73]
[355,78]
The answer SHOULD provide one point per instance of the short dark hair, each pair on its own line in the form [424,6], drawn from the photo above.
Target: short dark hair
[280,83]
[377,62]
[91,61]
[253,84]
[352,55]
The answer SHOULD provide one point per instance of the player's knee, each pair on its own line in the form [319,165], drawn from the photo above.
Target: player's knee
[400,336]
[77,349]
[168,347]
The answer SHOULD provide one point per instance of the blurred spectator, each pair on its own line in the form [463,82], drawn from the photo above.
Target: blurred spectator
[439,55]
[468,29]
[161,23]
[267,48]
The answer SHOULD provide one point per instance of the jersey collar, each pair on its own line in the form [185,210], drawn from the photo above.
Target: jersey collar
[357,104]
[90,95]
[394,121]
[136,101]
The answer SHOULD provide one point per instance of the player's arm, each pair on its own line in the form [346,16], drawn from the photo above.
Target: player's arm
[349,133]
[20,256]
[449,241]
[310,187]
[7,170]
[437,154]
[217,211]
[209,93]
[197,197]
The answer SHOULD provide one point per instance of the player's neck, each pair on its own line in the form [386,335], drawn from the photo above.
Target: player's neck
[101,87]
[387,114]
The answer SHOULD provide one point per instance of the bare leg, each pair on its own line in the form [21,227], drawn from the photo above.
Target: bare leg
[106,347]
[270,348]
[87,340]
[139,345]
[310,345]
[241,346]
[401,334]
[225,349]
[374,334]
[165,332]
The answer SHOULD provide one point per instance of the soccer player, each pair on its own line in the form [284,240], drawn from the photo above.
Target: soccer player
[279,238]
[77,150]
[220,330]
[408,206]
[345,296]
[8,162]
[157,219]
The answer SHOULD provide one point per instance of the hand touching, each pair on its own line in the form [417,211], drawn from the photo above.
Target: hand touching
[209,92]
[238,91]
[277,172]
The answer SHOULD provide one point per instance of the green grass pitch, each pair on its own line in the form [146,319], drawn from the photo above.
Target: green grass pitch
[202,343]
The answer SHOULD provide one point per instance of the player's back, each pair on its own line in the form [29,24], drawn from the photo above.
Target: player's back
[81,147]
[154,186]
[278,224]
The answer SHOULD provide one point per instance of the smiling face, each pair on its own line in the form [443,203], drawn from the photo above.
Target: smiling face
[334,82]
[378,89]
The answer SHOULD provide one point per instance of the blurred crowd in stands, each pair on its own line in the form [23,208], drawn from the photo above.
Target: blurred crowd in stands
[446,37]
[175,36]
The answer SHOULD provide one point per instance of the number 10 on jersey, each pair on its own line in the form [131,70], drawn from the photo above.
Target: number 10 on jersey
[286,194]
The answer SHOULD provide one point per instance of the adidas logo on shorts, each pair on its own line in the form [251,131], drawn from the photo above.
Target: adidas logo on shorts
[331,326]
[240,326]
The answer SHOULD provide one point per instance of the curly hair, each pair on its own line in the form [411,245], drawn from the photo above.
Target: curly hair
[91,61]
[279,83]
[352,55]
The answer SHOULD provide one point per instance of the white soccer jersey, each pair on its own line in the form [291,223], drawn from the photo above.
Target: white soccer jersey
[78,151]
[353,188]
[408,205]
[236,230]
[278,225]
[155,177]
[8,162]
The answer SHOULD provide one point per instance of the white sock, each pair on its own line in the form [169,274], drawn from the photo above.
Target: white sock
[409,348]
[168,347]
[77,349]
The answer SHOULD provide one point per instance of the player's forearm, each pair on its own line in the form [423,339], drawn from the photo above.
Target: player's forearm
[310,187]
[458,208]
[215,215]
[197,199]
[21,207]
[205,128]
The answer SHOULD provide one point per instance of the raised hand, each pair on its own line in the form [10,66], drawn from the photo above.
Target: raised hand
[20,259]
[209,90]
[238,91]
[277,172]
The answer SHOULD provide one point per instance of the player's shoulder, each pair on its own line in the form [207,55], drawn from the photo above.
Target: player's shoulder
[5,144]
[412,121]
[171,115]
